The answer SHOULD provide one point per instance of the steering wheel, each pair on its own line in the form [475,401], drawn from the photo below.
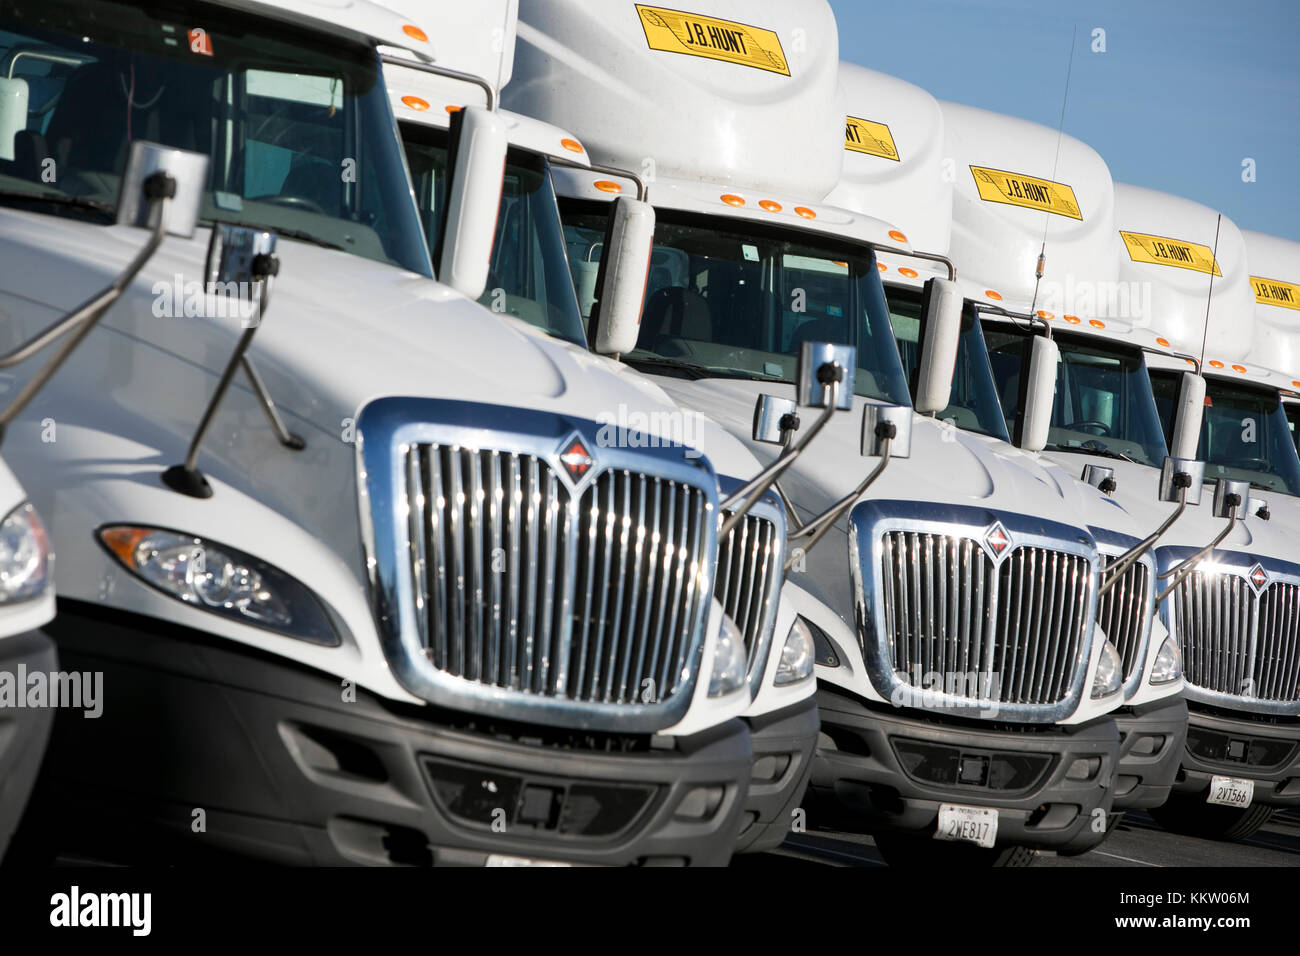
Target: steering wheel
[1102,429]
[300,202]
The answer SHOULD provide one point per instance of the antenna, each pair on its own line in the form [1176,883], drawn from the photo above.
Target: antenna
[1209,298]
[1060,134]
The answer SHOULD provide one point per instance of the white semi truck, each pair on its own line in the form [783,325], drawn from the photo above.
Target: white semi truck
[353,557]
[895,153]
[951,567]
[1235,620]
[529,279]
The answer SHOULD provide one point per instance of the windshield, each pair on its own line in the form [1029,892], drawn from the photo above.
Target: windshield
[729,299]
[529,276]
[973,404]
[1103,405]
[1245,435]
[298,131]
[1292,410]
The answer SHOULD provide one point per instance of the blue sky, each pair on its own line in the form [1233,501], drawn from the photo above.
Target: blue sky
[1184,92]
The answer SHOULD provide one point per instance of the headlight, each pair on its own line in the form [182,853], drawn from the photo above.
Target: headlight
[1110,675]
[24,555]
[213,577]
[728,660]
[797,656]
[1169,663]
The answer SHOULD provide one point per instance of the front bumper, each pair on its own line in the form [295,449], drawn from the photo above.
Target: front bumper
[1151,745]
[784,742]
[1265,750]
[858,773]
[292,765]
[24,731]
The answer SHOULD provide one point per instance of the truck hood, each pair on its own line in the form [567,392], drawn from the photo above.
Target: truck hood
[947,466]
[340,330]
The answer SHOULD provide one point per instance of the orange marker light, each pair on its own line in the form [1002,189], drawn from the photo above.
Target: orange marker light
[770,205]
[1073,319]
[572,145]
[122,542]
[897,236]
[1191,362]
[1296,384]
[995,296]
[1215,363]
[805,212]
[1045,315]
[1097,323]
[453,108]
[605,186]
[905,271]
[415,33]
[731,199]
[415,103]
[1239,368]
[882,267]
[1163,342]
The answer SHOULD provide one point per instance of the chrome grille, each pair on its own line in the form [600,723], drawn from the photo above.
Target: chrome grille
[1236,642]
[1017,627]
[521,585]
[1124,615]
[748,580]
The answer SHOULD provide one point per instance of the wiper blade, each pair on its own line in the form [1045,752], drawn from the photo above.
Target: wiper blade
[60,199]
[1095,448]
[694,371]
[286,233]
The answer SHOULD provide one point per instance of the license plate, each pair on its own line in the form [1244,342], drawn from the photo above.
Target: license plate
[978,825]
[497,859]
[1231,792]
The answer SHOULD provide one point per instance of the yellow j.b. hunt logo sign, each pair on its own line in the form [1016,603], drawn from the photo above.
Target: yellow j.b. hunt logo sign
[674,31]
[1029,192]
[1163,251]
[1285,295]
[874,139]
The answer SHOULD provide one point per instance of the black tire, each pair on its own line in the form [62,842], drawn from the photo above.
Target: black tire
[1189,814]
[909,852]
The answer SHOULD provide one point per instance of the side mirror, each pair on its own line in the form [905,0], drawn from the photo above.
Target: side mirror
[1231,499]
[1040,394]
[624,268]
[812,384]
[941,308]
[887,422]
[1188,415]
[1178,473]
[13,113]
[1100,477]
[239,260]
[775,419]
[478,150]
[141,186]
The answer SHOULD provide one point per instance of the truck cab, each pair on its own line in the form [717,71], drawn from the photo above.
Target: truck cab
[895,136]
[735,141]
[350,543]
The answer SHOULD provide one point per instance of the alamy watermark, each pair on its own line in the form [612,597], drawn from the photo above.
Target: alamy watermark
[67,690]
[631,428]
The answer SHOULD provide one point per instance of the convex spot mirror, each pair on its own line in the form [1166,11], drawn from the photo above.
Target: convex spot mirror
[1040,393]
[887,422]
[813,385]
[1101,477]
[1194,472]
[188,172]
[941,315]
[775,419]
[1225,490]
[478,148]
[622,278]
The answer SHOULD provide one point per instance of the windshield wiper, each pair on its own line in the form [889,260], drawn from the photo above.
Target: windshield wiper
[286,233]
[693,371]
[61,199]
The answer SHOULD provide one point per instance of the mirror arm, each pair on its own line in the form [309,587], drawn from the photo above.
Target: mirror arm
[285,437]
[1179,572]
[470,78]
[1115,569]
[815,529]
[158,188]
[792,517]
[745,499]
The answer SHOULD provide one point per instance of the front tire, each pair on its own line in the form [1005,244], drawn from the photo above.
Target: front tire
[906,851]
[1192,816]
